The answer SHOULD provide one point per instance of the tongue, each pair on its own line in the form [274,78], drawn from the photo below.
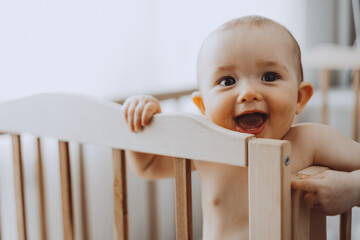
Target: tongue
[250,121]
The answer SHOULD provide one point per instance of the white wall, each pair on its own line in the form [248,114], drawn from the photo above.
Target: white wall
[114,48]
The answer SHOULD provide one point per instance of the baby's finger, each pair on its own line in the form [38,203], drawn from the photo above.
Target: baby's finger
[149,110]
[125,108]
[304,177]
[311,199]
[137,116]
[130,116]
[305,185]
[128,102]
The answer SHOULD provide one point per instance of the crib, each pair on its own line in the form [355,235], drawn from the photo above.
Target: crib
[101,122]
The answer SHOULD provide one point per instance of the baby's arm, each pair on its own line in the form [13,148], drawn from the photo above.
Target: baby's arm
[334,150]
[138,112]
[331,192]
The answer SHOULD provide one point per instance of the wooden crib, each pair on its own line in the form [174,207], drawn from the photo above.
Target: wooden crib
[84,119]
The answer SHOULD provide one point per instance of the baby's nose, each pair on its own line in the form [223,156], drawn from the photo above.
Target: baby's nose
[248,92]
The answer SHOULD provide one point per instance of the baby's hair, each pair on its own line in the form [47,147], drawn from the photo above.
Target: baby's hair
[260,21]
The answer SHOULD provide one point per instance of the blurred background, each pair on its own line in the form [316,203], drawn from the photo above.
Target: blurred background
[114,49]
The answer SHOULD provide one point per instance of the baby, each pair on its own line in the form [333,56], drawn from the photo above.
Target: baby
[250,80]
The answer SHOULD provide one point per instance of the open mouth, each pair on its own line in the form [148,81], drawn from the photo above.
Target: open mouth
[253,123]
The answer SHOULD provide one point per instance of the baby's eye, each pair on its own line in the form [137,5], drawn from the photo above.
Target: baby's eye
[270,77]
[227,81]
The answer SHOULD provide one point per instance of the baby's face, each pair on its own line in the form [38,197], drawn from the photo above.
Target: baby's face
[249,82]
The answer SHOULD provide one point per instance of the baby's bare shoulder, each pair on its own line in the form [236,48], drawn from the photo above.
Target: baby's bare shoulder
[306,137]
[302,147]
[326,145]
[313,136]
[301,131]
[309,131]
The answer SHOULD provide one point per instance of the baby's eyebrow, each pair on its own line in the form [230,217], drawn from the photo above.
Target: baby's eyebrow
[226,68]
[271,64]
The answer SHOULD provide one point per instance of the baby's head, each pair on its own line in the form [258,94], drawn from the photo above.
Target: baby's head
[250,77]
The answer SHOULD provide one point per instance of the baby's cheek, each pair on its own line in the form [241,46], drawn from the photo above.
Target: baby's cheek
[282,119]
[221,117]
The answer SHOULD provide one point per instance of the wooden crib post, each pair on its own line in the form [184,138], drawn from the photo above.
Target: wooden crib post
[66,193]
[345,225]
[356,88]
[182,168]
[121,231]
[42,214]
[324,86]
[19,187]
[153,212]
[269,190]
[82,180]
[300,211]
[300,216]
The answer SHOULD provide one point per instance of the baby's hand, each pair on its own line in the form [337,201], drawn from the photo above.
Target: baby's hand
[138,111]
[332,192]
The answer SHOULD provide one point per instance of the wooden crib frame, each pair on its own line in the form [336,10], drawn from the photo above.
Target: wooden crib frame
[88,120]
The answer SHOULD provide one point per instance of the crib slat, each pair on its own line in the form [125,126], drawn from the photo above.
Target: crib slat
[66,192]
[184,227]
[84,218]
[300,216]
[356,88]
[345,226]
[153,212]
[324,84]
[120,196]
[19,187]
[42,214]
[269,207]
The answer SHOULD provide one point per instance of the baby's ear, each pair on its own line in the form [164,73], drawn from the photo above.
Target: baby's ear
[305,91]
[198,100]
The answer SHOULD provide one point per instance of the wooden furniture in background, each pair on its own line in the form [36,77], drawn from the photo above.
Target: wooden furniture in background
[330,57]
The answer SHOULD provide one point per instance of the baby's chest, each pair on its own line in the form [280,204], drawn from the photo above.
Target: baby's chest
[220,181]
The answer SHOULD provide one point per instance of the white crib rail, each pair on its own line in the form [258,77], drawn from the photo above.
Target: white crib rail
[90,120]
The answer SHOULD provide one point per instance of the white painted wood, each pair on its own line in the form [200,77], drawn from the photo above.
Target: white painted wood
[330,56]
[86,119]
